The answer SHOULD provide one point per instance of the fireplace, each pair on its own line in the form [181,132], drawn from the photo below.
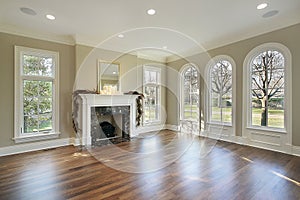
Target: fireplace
[117,110]
[110,124]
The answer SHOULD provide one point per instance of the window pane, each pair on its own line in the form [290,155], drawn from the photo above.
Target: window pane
[216,114]
[30,105]
[256,115]
[30,124]
[151,92]
[30,65]
[226,112]
[190,94]
[45,88]
[187,114]
[37,106]
[45,105]
[30,88]
[153,78]
[46,67]
[146,112]
[45,123]
[276,118]
[37,66]
[146,76]
[276,112]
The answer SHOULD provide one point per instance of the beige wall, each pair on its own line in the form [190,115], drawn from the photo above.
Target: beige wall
[288,36]
[131,70]
[67,73]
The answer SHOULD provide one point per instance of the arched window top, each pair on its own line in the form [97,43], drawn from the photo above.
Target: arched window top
[277,48]
[217,61]
[188,67]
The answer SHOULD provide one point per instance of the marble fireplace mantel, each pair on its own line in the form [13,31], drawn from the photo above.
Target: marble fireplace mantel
[95,100]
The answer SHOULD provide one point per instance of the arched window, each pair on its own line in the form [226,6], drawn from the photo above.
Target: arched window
[220,90]
[190,93]
[267,83]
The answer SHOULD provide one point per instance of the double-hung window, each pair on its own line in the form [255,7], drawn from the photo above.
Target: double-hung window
[151,88]
[36,94]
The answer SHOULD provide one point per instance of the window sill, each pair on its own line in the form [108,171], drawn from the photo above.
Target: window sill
[153,123]
[283,131]
[219,124]
[32,138]
[190,120]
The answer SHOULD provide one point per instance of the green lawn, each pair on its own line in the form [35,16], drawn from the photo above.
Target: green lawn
[276,118]
[216,114]
[191,111]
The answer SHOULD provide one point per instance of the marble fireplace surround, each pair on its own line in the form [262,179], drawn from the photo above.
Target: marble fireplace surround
[89,101]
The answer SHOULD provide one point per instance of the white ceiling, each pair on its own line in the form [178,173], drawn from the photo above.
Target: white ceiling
[184,26]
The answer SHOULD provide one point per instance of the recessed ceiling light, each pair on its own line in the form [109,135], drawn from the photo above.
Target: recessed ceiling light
[114,72]
[151,11]
[28,11]
[120,36]
[165,47]
[51,17]
[262,6]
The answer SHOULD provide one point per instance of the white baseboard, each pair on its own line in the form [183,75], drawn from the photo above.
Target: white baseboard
[296,150]
[156,127]
[172,127]
[287,149]
[48,144]
[75,141]
[34,146]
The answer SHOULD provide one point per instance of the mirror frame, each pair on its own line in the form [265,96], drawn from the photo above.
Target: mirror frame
[99,86]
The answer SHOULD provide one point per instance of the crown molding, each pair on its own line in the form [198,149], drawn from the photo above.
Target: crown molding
[62,39]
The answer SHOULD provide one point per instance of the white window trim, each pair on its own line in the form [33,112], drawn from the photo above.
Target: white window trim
[208,67]
[288,89]
[181,107]
[18,112]
[159,112]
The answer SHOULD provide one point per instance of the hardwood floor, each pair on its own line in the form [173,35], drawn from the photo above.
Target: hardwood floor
[167,165]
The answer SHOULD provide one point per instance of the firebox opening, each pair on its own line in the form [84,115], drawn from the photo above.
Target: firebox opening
[110,124]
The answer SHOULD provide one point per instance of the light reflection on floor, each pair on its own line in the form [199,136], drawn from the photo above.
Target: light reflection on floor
[285,177]
[275,173]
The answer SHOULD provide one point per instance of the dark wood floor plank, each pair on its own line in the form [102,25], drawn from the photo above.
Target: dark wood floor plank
[207,169]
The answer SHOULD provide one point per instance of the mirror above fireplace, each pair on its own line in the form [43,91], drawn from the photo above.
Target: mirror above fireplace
[108,74]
